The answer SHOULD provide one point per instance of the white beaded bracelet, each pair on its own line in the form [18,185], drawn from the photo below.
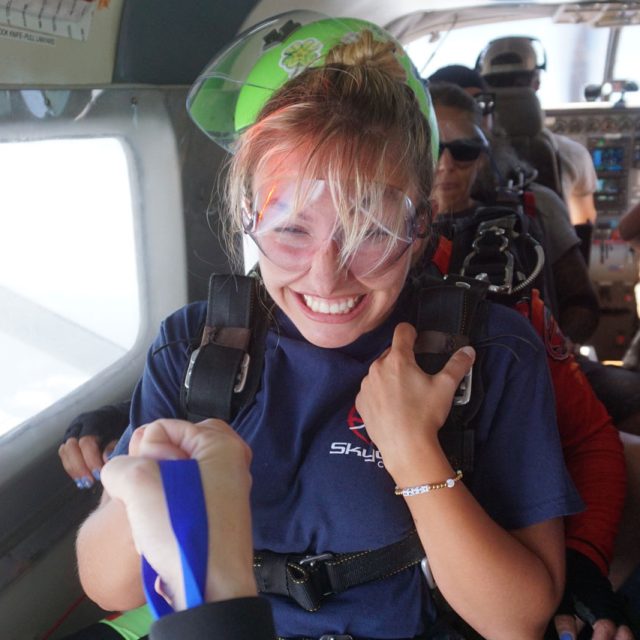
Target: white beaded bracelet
[449,483]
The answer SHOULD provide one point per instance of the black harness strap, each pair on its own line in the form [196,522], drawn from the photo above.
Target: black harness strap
[447,315]
[224,371]
[307,579]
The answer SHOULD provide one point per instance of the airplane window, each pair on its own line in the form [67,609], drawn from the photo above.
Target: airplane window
[68,277]
[627,61]
[575,54]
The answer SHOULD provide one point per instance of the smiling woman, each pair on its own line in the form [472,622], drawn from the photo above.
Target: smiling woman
[112,219]
[336,172]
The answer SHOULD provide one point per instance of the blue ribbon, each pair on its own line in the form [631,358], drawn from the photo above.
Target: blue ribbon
[188,515]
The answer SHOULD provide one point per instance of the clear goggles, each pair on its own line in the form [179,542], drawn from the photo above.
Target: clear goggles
[290,221]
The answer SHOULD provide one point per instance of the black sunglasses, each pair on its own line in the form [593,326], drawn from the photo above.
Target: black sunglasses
[486,102]
[463,150]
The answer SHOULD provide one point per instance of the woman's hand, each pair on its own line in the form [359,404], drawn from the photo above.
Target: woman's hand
[89,440]
[83,459]
[402,407]
[223,458]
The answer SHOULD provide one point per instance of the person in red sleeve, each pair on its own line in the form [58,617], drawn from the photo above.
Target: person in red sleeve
[592,448]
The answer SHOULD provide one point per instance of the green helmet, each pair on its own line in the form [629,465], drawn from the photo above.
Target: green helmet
[228,95]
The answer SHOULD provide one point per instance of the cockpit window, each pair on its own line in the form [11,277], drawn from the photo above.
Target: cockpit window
[68,276]
[575,53]
[626,67]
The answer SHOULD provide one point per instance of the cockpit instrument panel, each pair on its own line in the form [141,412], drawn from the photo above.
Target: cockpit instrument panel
[612,137]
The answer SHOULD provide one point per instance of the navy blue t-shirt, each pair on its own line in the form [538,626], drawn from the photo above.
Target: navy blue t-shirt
[319,485]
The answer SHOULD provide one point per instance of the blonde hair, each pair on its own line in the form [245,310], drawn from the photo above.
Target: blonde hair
[356,119]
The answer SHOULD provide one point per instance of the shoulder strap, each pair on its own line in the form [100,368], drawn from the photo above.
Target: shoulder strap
[223,373]
[450,313]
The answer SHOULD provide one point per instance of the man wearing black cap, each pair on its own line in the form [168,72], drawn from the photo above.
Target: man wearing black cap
[516,61]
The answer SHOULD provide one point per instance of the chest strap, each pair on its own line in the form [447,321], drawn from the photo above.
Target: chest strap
[307,579]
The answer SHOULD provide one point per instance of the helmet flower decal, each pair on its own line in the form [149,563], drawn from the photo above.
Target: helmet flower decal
[299,55]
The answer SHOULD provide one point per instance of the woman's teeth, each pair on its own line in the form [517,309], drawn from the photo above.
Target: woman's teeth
[319,305]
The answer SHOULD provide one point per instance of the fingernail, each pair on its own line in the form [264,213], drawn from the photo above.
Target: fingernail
[468,350]
[79,483]
[87,482]
[96,474]
[566,635]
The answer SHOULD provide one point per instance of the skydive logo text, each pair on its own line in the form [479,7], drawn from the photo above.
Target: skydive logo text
[368,454]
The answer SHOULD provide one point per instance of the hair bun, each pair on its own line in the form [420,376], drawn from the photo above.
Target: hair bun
[366,51]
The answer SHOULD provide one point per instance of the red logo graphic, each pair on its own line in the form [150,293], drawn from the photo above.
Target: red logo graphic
[356,426]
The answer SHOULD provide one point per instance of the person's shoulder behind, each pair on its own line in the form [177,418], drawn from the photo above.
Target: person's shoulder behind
[575,159]
[506,327]
[569,146]
[186,322]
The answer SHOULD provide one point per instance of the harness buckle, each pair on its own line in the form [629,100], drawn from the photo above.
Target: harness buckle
[241,378]
[311,560]
[308,580]
[463,392]
[492,242]
[192,362]
[426,572]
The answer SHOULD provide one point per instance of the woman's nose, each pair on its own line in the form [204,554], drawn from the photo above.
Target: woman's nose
[326,272]
[445,162]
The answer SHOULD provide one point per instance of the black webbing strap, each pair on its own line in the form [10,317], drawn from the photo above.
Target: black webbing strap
[307,579]
[446,318]
[224,371]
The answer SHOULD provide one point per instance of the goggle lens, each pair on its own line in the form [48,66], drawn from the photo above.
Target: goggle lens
[290,222]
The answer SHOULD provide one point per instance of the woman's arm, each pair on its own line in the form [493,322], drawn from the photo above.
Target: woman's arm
[108,564]
[233,609]
[521,573]
[108,561]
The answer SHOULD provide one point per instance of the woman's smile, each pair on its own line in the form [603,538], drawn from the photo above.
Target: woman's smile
[331,306]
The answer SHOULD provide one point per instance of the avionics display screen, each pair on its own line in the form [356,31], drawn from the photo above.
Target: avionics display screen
[608,185]
[608,158]
[609,192]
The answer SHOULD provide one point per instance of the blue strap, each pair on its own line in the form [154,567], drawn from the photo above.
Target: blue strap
[188,515]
